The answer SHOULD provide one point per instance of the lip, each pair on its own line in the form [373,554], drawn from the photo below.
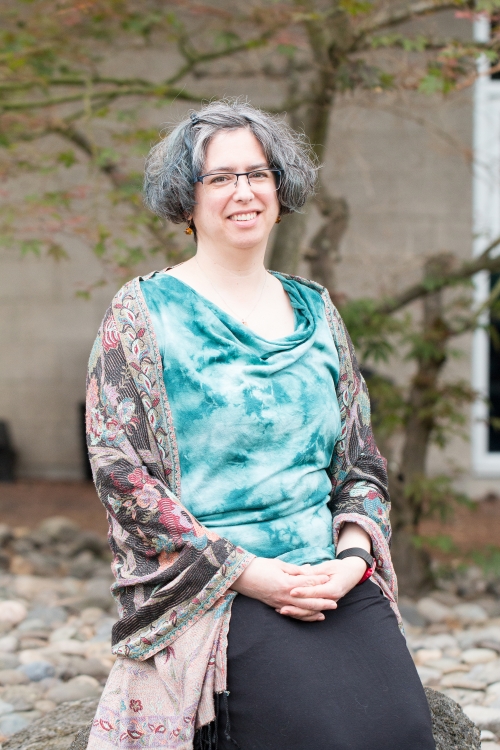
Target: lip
[248,223]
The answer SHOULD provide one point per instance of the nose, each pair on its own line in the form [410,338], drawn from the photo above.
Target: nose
[243,190]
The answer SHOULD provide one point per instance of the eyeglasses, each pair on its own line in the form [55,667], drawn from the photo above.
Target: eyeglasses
[260,180]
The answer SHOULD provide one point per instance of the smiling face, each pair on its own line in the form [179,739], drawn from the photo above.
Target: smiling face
[242,218]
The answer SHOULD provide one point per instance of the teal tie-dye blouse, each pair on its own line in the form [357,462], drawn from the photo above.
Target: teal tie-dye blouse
[256,420]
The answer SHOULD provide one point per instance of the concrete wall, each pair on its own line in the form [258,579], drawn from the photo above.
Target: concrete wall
[401,160]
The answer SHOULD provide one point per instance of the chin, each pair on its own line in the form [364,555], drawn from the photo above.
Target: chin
[241,237]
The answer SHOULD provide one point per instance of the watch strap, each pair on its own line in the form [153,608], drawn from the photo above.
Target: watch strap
[357,552]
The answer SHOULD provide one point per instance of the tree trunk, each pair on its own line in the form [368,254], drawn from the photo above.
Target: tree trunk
[324,248]
[412,564]
[285,254]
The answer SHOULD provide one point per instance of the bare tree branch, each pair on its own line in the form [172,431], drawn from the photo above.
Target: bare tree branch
[483,262]
[388,17]
[193,61]
[471,322]
[163,90]
[438,132]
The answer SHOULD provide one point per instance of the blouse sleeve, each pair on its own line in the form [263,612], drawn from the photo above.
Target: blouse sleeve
[360,492]
[168,568]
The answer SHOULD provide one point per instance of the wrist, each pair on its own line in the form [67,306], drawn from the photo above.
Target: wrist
[356,564]
[366,561]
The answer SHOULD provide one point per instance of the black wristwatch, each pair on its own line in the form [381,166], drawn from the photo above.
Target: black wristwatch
[357,552]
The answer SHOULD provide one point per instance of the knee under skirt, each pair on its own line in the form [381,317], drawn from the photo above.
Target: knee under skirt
[346,683]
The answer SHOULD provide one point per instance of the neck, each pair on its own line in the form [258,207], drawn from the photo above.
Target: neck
[231,265]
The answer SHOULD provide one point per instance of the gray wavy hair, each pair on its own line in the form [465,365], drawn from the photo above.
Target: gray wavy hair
[174,164]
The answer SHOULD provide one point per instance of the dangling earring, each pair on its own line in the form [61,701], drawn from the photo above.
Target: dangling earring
[188,230]
[278,219]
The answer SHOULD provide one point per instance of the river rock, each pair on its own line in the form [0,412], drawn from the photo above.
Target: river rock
[8,661]
[433,611]
[91,667]
[470,614]
[461,680]
[49,616]
[55,731]
[478,655]
[12,612]
[91,615]
[8,644]
[424,655]
[5,708]
[428,676]
[488,673]
[12,677]
[484,717]
[451,727]
[411,615]
[12,723]
[22,697]
[37,670]
[77,688]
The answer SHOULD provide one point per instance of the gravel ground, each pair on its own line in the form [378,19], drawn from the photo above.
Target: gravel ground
[56,615]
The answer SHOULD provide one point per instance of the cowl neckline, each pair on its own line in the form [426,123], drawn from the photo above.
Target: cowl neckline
[298,342]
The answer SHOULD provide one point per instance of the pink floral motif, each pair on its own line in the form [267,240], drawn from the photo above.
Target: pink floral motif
[95,425]
[135,705]
[139,477]
[110,336]
[145,492]
[172,517]
[111,393]
[147,497]
[125,410]
[92,393]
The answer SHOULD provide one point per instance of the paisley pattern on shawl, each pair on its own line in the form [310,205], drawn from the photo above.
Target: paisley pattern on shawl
[172,575]
[169,570]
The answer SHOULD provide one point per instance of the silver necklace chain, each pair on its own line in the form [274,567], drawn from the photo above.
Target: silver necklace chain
[244,319]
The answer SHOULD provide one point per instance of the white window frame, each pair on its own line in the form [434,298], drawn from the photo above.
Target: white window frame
[486,227]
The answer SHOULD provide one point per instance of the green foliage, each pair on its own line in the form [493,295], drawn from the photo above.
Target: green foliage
[355,7]
[441,542]
[57,252]
[287,50]
[488,559]
[67,158]
[408,44]
[372,332]
[435,82]
[358,74]
[434,496]
[388,405]
[31,247]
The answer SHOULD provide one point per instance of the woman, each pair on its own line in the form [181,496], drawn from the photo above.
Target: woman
[229,434]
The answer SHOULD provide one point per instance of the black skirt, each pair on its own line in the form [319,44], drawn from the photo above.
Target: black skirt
[346,683]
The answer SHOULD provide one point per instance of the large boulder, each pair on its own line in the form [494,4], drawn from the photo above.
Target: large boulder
[58,729]
[451,728]
[68,727]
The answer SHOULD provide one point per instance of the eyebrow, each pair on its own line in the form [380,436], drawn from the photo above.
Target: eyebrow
[261,165]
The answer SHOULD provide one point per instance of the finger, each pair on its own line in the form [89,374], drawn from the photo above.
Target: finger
[325,591]
[296,611]
[290,568]
[301,614]
[316,604]
[325,567]
[310,580]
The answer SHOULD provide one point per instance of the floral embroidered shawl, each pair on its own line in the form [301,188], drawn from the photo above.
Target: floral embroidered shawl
[173,575]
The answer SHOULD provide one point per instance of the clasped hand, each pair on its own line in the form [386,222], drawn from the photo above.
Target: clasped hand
[302,592]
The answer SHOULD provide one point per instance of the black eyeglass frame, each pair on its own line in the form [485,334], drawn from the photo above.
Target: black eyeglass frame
[243,174]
